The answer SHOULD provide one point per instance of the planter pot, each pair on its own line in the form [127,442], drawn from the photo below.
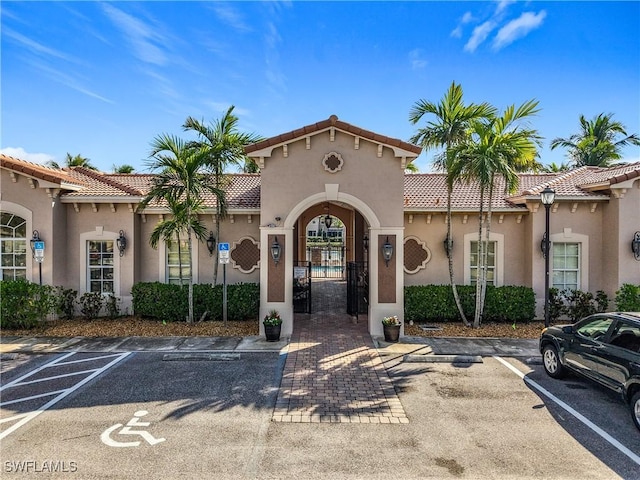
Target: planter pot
[391,333]
[272,332]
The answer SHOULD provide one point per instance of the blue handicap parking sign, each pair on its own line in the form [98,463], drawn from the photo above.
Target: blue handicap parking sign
[223,247]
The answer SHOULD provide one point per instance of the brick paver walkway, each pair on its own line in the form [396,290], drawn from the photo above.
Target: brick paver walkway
[333,372]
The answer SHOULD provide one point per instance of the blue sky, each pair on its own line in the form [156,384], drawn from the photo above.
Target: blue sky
[102,79]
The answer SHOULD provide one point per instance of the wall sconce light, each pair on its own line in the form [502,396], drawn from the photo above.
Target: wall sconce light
[387,251]
[121,242]
[448,245]
[276,250]
[211,243]
[635,245]
[365,242]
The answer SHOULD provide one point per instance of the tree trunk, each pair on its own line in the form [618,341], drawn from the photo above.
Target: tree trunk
[483,293]
[190,319]
[479,256]
[454,288]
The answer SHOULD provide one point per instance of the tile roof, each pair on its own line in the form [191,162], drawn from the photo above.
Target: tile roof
[38,171]
[332,121]
[100,184]
[422,192]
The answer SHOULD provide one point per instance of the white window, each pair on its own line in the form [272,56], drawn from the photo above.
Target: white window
[490,266]
[566,266]
[13,247]
[178,262]
[495,258]
[100,268]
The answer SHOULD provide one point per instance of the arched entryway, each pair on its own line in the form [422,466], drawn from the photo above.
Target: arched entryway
[330,261]
[385,295]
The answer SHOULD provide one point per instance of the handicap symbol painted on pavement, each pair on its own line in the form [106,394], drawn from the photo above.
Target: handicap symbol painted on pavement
[127,430]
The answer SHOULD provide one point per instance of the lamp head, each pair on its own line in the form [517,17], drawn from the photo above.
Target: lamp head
[387,251]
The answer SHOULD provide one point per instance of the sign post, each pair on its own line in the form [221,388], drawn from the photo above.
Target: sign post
[223,255]
[38,256]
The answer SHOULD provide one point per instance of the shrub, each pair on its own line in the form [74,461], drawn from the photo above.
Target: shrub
[628,298]
[576,304]
[112,306]
[91,304]
[171,303]
[24,304]
[436,303]
[65,302]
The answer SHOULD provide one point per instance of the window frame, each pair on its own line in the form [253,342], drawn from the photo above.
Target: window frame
[102,254]
[99,234]
[498,238]
[567,236]
[14,253]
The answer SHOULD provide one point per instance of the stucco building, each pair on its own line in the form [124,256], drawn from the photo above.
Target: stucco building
[330,168]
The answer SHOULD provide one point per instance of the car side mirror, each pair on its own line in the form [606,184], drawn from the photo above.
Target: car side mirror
[568,329]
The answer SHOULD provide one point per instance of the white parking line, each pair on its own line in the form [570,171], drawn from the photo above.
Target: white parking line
[575,413]
[62,395]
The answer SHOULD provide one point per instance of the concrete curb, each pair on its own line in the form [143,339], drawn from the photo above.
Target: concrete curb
[443,359]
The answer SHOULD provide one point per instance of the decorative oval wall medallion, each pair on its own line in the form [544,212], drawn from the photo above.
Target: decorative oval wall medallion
[332,162]
[245,255]
[416,255]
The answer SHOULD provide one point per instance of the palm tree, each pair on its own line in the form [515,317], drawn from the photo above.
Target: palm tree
[181,182]
[73,161]
[222,146]
[126,169]
[498,147]
[411,168]
[553,167]
[596,144]
[448,129]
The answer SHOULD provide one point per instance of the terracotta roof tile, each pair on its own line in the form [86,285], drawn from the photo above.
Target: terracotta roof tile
[36,170]
[332,121]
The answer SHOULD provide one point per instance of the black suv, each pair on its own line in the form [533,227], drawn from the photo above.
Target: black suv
[604,347]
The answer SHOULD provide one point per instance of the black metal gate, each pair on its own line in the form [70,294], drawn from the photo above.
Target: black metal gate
[326,261]
[302,287]
[357,288]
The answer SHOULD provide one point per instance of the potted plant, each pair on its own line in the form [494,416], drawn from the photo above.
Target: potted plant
[272,325]
[391,328]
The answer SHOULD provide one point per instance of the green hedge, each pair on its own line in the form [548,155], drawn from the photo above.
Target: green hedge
[628,298]
[171,303]
[24,304]
[435,303]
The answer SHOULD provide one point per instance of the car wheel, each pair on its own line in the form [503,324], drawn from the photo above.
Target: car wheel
[635,408]
[551,362]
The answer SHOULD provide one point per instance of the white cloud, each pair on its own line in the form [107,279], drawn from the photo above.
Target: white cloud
[416,57]
[222,107]
[502,5]
[69,81]
[20,153]
[231,16]
[143,38]
[466,18]
[480,34]
[36,47]
[518,28]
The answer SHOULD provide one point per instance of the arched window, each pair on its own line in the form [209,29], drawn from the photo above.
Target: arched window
[13,246]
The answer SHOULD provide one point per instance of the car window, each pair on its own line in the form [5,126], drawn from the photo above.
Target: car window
[595,328]
[626,335]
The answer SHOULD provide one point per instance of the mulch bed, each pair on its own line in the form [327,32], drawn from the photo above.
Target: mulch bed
[134,326]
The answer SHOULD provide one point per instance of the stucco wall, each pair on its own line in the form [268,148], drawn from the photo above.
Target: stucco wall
[379,182]
[512,262]
[33,203]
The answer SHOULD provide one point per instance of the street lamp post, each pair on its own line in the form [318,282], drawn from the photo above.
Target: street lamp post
[547,196]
